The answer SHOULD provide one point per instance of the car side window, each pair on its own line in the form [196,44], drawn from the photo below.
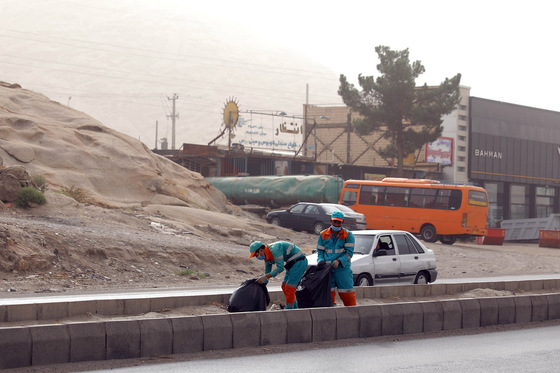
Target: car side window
[386,243]
[312,210]
[402,244]
[415,244]
[297,209]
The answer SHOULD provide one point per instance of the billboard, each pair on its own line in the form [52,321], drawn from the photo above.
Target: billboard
[269,132]
[440,151]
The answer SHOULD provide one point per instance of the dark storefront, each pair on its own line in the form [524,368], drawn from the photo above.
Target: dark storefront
[515,155]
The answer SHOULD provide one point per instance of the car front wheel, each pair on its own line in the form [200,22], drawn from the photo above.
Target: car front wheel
[275,221]
[318,227]
[364,280]
[421,278]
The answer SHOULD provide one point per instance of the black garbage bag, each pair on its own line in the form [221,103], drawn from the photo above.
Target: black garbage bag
[250,296]
[314,288]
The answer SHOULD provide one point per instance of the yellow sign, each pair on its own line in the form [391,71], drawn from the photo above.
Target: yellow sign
[409,160]
[231,114]
[377,177]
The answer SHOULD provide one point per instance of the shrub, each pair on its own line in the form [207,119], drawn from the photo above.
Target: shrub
[76,193]
[190,272]
[27,195]
[40,182]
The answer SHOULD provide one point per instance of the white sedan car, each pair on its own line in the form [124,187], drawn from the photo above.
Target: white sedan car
[383,257]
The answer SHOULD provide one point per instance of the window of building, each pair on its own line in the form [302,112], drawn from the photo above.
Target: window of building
[461,169]
[461,159]
[519,202]
[545,201]
[462,148]
[462,138]
[462,128]
[463,117]
[463,107]
[495,203]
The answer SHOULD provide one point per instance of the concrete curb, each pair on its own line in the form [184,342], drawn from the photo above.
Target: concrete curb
[136,306]
[61,343]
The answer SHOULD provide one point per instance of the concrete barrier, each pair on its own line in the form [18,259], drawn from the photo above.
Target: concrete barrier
[87,342]
[123,339]
[274,328]
[488,311]
[506,310]
[15,347]
[452,314]
[137,306]
[218,332]
[188,334]
[433,316]
[553,306]
[156,337]
[523,310]
[61,343]
[51,345]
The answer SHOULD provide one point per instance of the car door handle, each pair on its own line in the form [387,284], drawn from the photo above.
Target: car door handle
[416,257]
[394,259]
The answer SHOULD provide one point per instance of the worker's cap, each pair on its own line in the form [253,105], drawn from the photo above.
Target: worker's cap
[337,215]
[254,248]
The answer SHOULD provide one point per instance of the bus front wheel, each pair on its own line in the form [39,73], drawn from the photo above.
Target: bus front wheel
[428,233]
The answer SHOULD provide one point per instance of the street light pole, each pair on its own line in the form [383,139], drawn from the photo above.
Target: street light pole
[315,135]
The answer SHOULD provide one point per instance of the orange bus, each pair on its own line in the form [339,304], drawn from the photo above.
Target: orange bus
[426,207]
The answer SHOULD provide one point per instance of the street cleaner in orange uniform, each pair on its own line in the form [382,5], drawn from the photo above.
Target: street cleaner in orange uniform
[336,245]
[284,255]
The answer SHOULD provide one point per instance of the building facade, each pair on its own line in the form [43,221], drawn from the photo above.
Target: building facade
[514,154]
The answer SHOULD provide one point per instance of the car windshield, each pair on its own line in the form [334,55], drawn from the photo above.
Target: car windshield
[363,244]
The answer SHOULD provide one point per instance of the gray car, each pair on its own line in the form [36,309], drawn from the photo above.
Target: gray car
[389,257]
[314,217]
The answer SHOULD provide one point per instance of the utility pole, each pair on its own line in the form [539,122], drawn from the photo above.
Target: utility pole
[173,116]
[156,134]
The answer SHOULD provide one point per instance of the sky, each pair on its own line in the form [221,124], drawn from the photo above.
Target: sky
[121,62]
[505,50]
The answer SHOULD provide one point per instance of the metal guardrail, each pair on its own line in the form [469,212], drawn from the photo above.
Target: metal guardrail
[528,229]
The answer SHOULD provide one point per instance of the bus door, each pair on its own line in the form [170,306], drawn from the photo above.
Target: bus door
[386,262]
[477,209]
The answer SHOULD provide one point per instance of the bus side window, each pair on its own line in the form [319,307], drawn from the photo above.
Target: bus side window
[372,195]
[430,198]
[349,198]
[442,199]
[455,200]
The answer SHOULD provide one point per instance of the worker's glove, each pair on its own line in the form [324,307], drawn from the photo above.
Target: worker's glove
[321,264]
[335,264]
[261,280]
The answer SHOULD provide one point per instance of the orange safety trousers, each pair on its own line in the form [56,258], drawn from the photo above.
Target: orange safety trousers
[349,299]
[290,294]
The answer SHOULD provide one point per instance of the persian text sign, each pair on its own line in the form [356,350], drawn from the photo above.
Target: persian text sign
[440,151]
[269,132]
